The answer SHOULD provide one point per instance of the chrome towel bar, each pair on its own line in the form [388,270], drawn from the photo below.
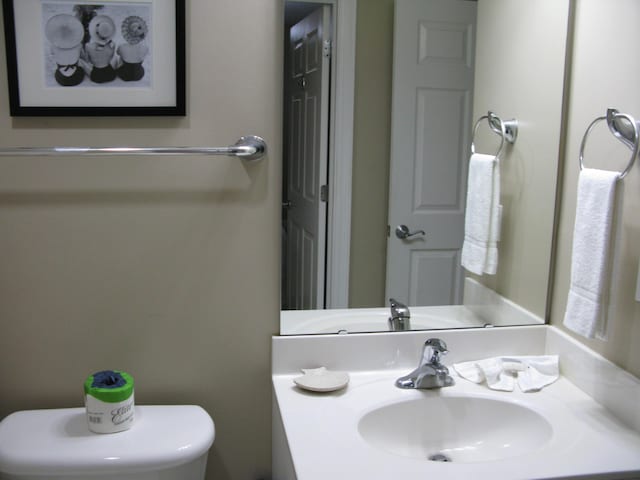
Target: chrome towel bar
[624,127]
[250,147]
[507,129]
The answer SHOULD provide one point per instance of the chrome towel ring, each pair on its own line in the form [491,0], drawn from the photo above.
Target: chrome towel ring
[507,129]
[627,132]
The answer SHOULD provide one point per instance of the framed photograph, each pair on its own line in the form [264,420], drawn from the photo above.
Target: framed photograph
[95,58]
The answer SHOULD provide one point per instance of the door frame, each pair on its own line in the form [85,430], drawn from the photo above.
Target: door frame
[340,148]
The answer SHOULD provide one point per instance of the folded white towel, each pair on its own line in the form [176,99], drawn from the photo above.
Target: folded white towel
[482,215]
[586,304]
[531,372]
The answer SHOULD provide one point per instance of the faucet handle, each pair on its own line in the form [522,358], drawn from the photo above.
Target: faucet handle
[433,348]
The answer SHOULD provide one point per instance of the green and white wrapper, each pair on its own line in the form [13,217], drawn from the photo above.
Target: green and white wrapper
[110,409]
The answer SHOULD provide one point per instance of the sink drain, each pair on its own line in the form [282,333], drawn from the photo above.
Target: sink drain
[439,457]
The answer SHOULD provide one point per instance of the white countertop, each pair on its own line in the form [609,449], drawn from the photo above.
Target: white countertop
[323,438]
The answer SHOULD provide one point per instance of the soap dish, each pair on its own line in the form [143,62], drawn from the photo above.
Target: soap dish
[321,380]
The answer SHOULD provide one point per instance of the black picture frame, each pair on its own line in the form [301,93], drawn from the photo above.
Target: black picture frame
[35,90]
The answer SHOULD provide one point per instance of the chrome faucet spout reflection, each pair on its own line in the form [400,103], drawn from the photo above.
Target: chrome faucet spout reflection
[430,372]
[400,318]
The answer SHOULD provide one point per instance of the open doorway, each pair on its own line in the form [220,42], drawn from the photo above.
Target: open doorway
[306,160]
[339,148]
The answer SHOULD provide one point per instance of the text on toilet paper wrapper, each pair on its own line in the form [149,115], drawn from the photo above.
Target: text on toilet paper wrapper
[118,415]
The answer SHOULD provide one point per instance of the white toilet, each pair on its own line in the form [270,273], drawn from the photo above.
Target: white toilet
[168,442]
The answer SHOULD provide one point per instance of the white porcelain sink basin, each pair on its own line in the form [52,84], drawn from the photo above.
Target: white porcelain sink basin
[460,429]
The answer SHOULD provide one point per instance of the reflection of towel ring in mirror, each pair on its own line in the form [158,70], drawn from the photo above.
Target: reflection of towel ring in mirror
[507,129]
[633,142]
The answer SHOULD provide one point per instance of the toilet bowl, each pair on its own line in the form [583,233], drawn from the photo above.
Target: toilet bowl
[168,442]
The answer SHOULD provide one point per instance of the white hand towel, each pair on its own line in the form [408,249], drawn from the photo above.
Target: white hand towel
[532,373]
[586,304]
[495,375]
[482,215]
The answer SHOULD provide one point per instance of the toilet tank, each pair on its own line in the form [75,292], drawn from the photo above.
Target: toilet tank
[167,442]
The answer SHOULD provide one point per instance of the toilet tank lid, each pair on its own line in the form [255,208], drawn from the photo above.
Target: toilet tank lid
[58,441]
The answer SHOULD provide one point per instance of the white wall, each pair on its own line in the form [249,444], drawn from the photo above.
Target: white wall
[162,267]
[605,70]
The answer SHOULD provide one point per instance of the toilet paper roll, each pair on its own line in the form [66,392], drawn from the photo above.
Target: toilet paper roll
[109,401]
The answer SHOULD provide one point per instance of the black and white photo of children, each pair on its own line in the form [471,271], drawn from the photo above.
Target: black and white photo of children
[97,45]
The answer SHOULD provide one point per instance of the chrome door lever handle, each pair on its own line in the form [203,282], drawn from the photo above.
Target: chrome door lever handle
[403,232]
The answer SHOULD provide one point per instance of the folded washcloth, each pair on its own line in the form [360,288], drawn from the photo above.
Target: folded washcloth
[590,262]
[482,215]
[532,373]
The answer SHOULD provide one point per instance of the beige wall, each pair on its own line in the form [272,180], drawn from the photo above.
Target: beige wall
[163,267]
[605,69]
[520,59]
[372,126]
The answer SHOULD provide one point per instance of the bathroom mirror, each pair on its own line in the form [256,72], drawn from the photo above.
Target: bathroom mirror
[516,51]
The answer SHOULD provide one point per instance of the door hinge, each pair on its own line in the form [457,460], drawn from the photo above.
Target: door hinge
[324,193]
[326,48]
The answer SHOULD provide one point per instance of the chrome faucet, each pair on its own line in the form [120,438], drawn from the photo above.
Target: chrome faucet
[430,372]
[400,316]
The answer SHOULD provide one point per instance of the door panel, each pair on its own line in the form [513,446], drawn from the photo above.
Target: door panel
[430,137]
[438,181]
[425,265]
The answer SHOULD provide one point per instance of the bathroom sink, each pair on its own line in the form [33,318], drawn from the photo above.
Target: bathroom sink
[460,429]
[373,430]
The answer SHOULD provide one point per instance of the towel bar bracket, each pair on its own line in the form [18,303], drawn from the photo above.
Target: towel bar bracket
[506,129]
[253,147]
[624,127]
[510,127]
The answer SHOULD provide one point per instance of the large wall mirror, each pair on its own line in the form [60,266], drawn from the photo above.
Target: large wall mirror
[424,72]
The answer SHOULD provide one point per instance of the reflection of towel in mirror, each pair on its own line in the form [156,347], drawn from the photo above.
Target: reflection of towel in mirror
[590,259]
[532,373]
[482,215]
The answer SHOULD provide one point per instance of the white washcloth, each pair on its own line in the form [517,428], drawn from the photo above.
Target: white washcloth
[482,215]
[586,304]
[532,373]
